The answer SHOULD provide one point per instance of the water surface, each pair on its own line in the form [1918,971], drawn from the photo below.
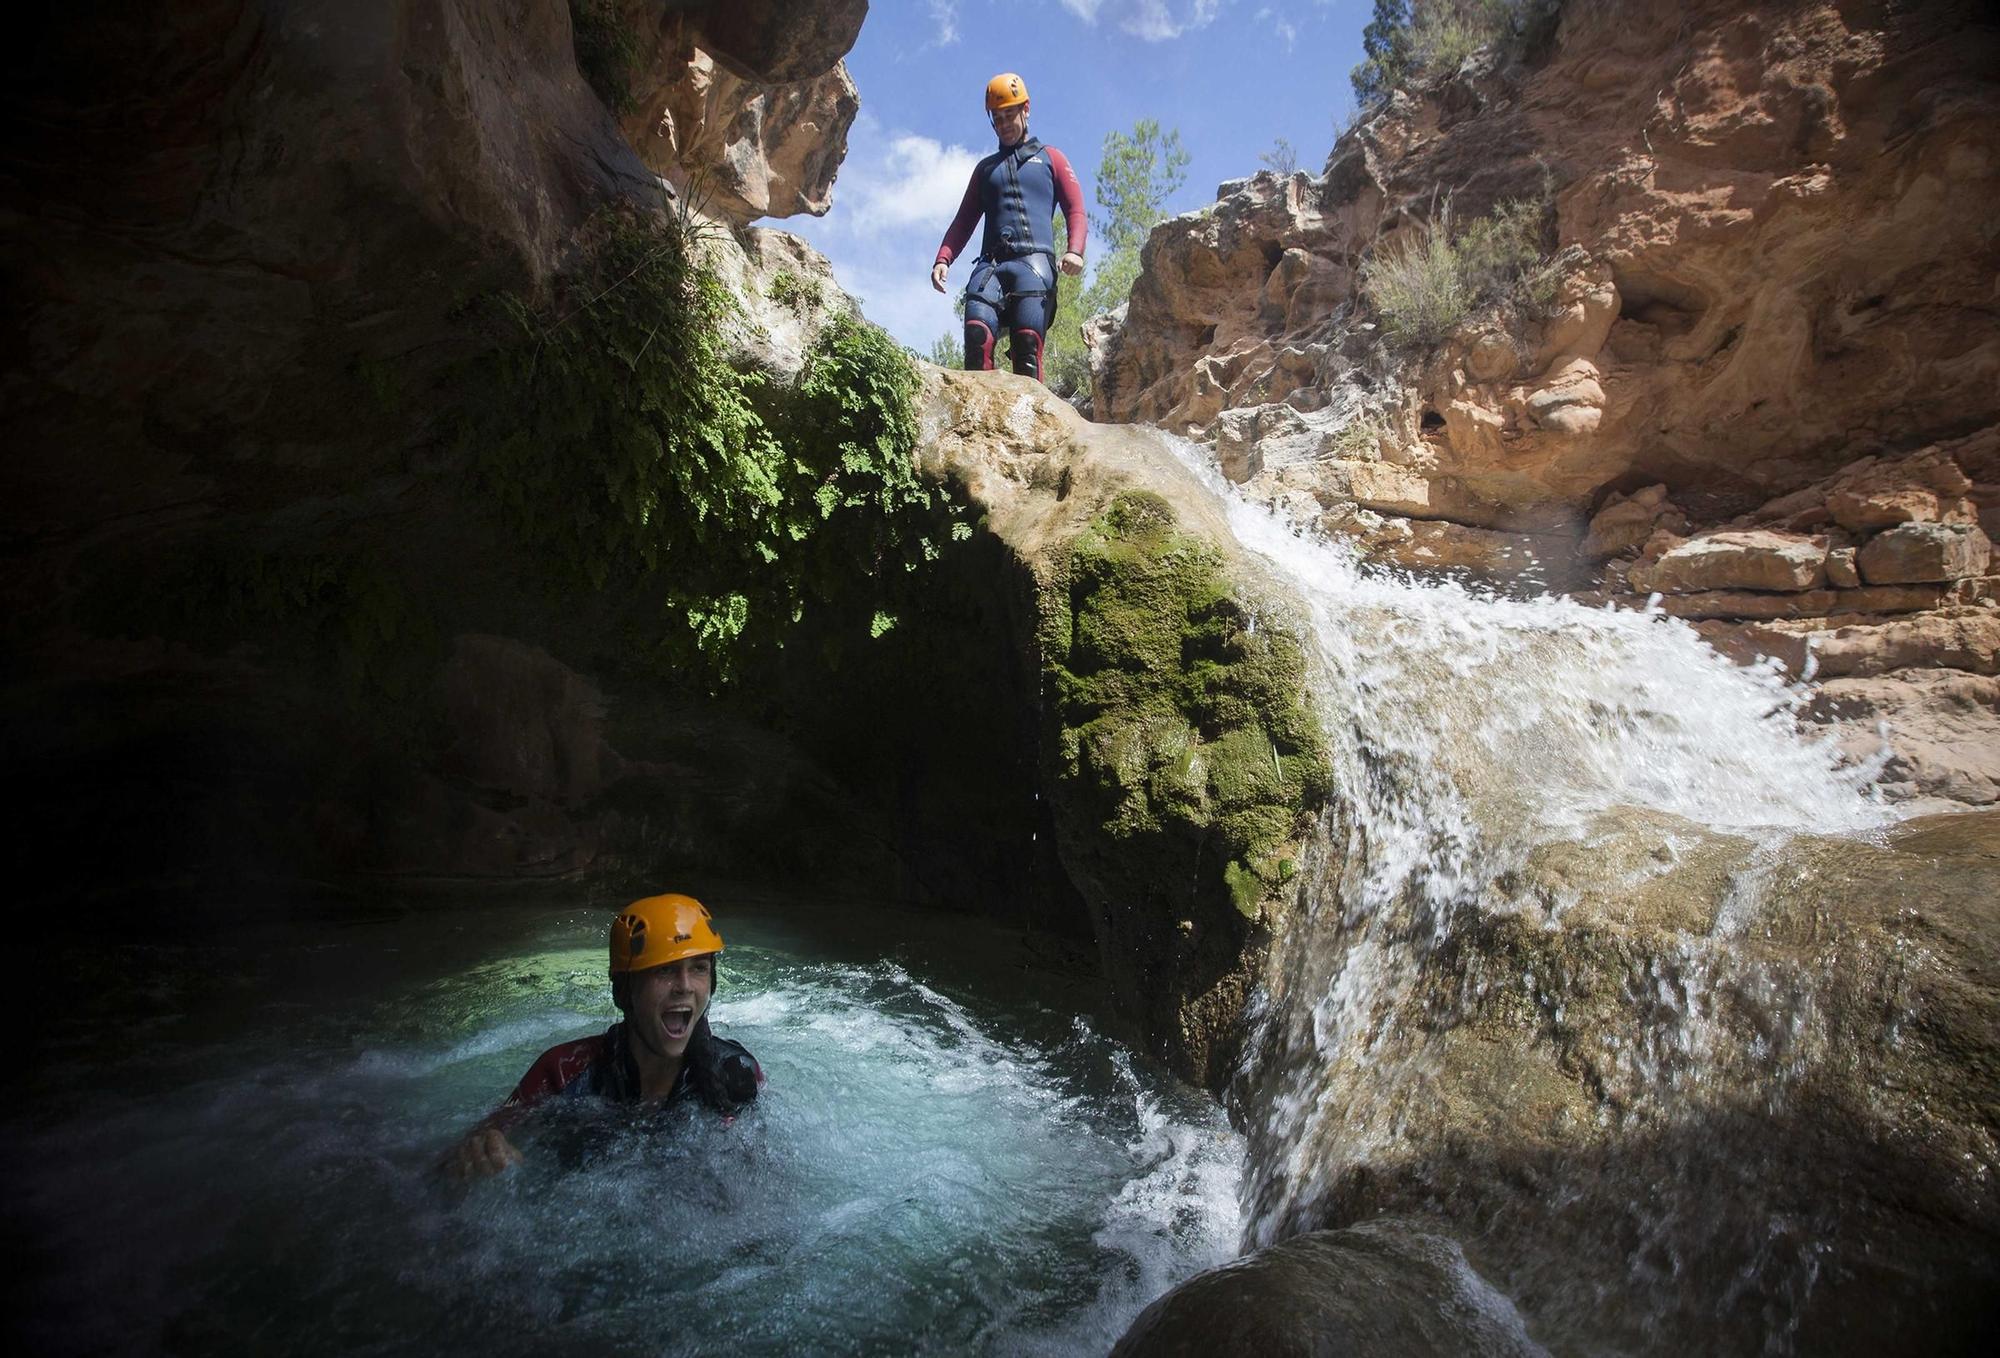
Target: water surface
[228,1146]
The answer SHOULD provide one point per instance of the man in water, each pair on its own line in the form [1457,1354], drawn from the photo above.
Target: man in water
[663,952]
[1017,189]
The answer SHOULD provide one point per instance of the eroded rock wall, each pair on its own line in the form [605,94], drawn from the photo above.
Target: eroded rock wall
[744,108]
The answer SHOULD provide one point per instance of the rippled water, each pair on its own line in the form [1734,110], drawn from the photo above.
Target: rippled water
[229,1150]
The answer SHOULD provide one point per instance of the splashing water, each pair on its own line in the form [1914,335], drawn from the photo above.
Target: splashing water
[1472,736]
[938,1164]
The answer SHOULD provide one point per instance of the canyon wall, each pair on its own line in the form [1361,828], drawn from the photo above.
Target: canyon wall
[1754,367]
[261,628]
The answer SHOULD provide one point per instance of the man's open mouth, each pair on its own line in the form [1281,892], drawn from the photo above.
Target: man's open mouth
[678,1022]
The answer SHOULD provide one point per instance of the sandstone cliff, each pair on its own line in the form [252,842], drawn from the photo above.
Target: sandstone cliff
[1759,372]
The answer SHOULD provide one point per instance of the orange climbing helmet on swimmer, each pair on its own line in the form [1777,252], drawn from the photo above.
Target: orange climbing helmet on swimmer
[1004,91]
[661,929]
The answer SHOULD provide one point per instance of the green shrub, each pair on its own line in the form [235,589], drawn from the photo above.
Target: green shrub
[1423,287]
[1410,38]
[616,442]
[1419,288]
[800,295]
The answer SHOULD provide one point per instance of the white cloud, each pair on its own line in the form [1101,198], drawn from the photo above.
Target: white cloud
[944,19]
[1149,20]
[896,294]
[897,193]
[912,181]
[1281,27]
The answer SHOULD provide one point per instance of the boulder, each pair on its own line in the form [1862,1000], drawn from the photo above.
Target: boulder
[1754,559]
[1627,521]
[1926,487]
[1914,553]
[1390,1288]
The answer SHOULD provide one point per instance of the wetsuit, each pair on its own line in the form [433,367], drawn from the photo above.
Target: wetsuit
[1017,189]
[718,1072]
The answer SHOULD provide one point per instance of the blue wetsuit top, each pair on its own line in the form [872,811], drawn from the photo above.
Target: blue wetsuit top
[1017,190]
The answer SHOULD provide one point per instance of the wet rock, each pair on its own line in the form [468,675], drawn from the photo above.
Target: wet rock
[1388,1288]
[1752,560]
[1917,552]
[1811,603]
[1961,639]
[1768,1060]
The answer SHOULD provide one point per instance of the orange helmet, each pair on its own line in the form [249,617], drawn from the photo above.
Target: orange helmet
[1004,91]
[658,930]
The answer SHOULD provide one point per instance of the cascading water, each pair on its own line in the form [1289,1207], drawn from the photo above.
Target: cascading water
[1501,763]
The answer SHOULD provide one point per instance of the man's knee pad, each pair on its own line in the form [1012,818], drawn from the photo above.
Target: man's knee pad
[979,340]
[1026,351]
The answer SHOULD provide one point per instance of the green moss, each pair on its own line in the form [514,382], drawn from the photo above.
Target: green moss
[1180,722]
[613,438]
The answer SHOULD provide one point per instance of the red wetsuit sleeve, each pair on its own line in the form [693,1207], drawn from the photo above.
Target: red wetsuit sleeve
[553,1070]
[1069,195]
[960,230]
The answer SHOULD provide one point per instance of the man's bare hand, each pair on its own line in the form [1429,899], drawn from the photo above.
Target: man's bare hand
[1072,264]
[480,1156]
[938,271]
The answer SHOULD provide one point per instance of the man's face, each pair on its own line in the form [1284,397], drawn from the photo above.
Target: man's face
[666,1002]
[1011,124]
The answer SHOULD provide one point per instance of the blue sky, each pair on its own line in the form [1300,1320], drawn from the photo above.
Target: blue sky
[1232,75]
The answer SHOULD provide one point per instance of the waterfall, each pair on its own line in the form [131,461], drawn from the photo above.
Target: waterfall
[1510,775]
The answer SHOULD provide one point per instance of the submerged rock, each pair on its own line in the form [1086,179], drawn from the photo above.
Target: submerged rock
[1385,1289]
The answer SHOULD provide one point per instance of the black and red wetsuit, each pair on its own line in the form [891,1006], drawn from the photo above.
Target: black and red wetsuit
[1017,189]
[720,1073]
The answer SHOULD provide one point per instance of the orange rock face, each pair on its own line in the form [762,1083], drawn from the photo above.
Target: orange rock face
[1764,340]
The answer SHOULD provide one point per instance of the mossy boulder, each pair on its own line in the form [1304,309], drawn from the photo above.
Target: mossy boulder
[1182,752]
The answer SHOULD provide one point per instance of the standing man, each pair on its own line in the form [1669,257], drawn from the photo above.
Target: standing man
[1017,189]
[663,952]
